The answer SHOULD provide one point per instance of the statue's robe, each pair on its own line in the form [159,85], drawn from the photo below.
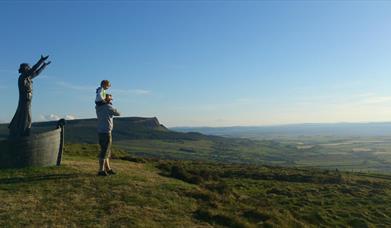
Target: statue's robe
[21,122]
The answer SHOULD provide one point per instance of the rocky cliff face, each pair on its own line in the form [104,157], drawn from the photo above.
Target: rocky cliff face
[84,130]
[141,122]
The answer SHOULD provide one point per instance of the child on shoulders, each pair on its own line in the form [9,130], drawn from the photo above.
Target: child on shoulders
[101,92]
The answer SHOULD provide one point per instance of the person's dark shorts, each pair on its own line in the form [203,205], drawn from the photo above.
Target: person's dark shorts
[105,145]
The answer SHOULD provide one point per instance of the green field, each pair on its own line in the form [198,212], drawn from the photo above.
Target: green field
[360,155]
[366,154]
[156,193]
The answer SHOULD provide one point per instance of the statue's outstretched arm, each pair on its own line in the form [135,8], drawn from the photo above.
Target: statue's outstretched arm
[38,64]
[40,69]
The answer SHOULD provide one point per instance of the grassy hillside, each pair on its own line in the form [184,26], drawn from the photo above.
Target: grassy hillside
[156,193]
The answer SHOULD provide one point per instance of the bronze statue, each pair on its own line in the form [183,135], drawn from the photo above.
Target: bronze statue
[21,122]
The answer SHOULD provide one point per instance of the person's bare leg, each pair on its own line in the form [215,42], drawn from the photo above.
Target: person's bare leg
[101,165]
[107,164]
[108,168]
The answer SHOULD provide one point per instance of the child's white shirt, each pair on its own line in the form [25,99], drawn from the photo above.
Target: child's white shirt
[100,94]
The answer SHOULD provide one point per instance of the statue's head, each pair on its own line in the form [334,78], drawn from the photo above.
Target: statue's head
[24,68]
[105,84]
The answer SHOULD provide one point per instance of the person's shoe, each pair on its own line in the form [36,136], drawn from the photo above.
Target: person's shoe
[102,173]
[111,172]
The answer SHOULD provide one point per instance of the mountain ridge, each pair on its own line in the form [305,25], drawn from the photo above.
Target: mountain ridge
[84,130]
[306,129]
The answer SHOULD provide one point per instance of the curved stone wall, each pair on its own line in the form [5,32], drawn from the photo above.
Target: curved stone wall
[36,150]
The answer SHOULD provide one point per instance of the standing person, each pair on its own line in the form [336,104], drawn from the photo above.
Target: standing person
[105,114]
[21,122]
[101,92]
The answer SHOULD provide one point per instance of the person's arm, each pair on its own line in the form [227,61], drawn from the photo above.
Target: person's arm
[114,111]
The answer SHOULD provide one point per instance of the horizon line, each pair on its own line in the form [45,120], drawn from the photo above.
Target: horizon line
[230,126]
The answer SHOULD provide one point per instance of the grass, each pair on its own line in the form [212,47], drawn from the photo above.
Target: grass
[72,195]
[276,196]
[154,193]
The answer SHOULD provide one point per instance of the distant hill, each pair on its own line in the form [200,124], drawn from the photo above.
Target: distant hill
[125,128]
[268,132]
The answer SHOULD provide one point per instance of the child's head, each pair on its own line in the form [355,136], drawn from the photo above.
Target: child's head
[105,84]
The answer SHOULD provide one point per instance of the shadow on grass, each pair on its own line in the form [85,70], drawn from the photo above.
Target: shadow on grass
[30,179]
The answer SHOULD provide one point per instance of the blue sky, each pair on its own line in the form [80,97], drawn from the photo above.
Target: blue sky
[203,63]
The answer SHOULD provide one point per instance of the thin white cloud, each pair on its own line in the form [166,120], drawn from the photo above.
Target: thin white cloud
[70,117]
[366,98]
[89,88]
[243,100]
[52,117]
[44,76]
[131,91]
[347,84]
[49,117]
[368,94]
[141,91]
[235,104]
[76,87]
[374,99]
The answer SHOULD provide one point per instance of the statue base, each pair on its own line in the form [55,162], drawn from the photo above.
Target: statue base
[43,149]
